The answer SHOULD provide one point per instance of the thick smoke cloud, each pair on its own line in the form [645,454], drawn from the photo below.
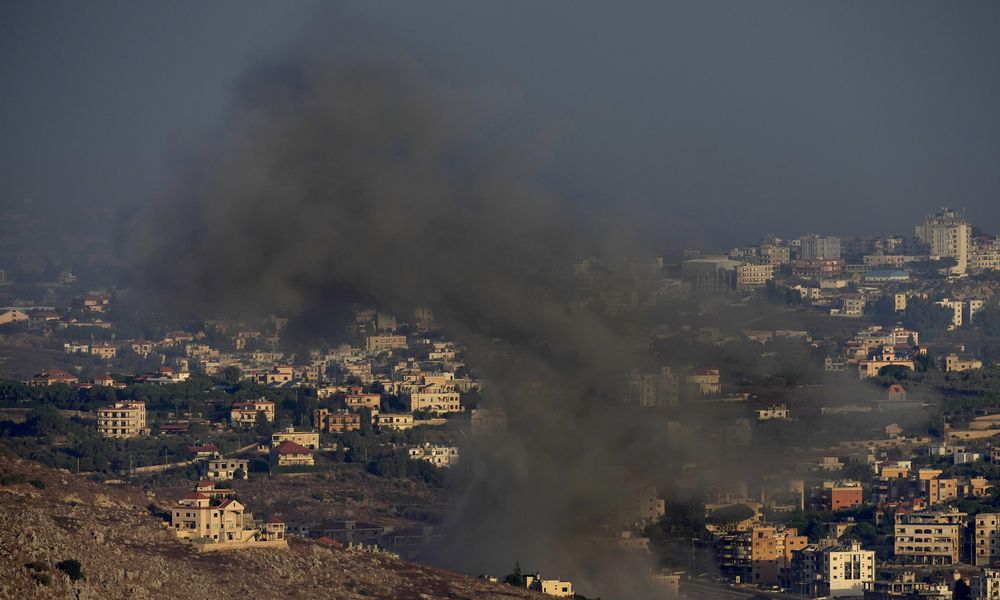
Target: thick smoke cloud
[343,172]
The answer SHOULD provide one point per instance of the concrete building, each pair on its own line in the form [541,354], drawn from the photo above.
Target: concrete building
[815,247]
[216,523]
[244,414]
[291,454]
[986,585]
[652,389]
[549,587]
[707,381]
[835,571]
[122,420]
[771,551]
[953,362]
[359,401]
[439,456]
[905,586]
[986,551]
[840,495]
[376,344]
[394,421]
[773,412]
[957,308]
[929,537]
[948,234]
[750,275]
[328,421]
[434,398]
[307,439]
[710,274]
[224,469]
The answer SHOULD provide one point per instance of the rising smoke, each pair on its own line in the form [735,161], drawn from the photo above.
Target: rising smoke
[345,171]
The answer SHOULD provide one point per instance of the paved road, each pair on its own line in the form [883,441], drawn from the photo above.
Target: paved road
[700,589]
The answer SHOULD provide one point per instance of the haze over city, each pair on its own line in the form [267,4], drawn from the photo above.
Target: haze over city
[500,300]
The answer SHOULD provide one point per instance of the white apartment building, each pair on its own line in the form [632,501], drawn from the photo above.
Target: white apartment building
[224,469]
[834,571]
[987,542]
[948,234]
[815,247]
[122,420]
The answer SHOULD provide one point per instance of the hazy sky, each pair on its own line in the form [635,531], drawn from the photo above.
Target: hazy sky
[708,120]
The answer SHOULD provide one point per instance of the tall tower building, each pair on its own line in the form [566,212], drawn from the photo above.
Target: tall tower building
[948,234]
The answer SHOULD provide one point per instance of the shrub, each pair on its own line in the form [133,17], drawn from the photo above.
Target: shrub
[42,578]
[38,483]
[71,567]
[13,479]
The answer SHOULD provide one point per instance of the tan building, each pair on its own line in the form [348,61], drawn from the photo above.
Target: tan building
[397,421]
[987,542]
[434,399]
[52,377]
[752,275]
[292,454]
[308,439]
[122,420]
[376,344]
[336,421]
[549,587]
[224,469]
[929,537]
[707,381]
[244,414]
[771,551]
[439,456]
[954,363]
[871,367]
[103,350]
[213,522]
[359,401]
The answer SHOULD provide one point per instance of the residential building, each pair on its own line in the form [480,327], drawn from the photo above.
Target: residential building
[122,420]
[953,362]
[987,540]
[358,401]
[52,377]
[750,275]
[308,439]
[224,469]
[773,412]
[328,421]
[12,315]
[244,414]
[707,381]
[652,389]
[986,585]
[905,586]
[833,571]
[840,495]
[216,523]
[549,587]
[292,454]
[929,536]
[377,344]
[396,421]
[710,274]
[815,247]
[771,551]
[948,234]
[896,393]
[854,305]
[434,398]
[870,367]
[957,311]
[439,456]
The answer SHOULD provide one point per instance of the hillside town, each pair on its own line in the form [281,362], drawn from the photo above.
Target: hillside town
[861,373]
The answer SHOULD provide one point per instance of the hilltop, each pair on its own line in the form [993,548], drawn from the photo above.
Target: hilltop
[125,551]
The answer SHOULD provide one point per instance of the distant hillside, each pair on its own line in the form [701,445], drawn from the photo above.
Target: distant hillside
[47,517]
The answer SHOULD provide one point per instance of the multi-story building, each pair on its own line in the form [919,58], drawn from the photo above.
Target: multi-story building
[840,495]
[292,454]
[707,381]
[771,551]
[649,389]
[122,420]
[773,412]
[929,536]
[244,414]
[815,247]
[439,456]
[957,310]
[224,469]
[328,421]
[833,571]
[308,439]
[376,344]
[359,401]
[905,586]
[986,585]
[948,234]
[214,523]
[986,551]
[953,362]
[397,421]
[751,275]
[434,398]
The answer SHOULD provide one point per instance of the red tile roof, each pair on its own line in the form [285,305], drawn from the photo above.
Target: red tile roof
[195,496]
[293,448]
[275,520]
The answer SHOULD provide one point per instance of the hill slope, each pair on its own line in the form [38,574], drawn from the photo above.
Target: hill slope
[125,552]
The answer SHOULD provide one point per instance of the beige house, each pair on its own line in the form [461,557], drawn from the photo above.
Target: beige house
[707,381]
[122,420]
[434,399]
[244,414]
[359,401]
[397,421]
[376,344]
[224,469]
[308,439]
[954,363]
[292,454]
[549,587]
[439,456]
[214,522]
[12,315]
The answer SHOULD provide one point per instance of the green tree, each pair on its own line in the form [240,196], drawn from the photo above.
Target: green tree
[263,426]
[71,567]
[231,375]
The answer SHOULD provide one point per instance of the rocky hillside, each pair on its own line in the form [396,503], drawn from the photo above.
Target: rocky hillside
[49,517]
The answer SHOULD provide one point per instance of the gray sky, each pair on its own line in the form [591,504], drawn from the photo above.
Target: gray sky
[711,121]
